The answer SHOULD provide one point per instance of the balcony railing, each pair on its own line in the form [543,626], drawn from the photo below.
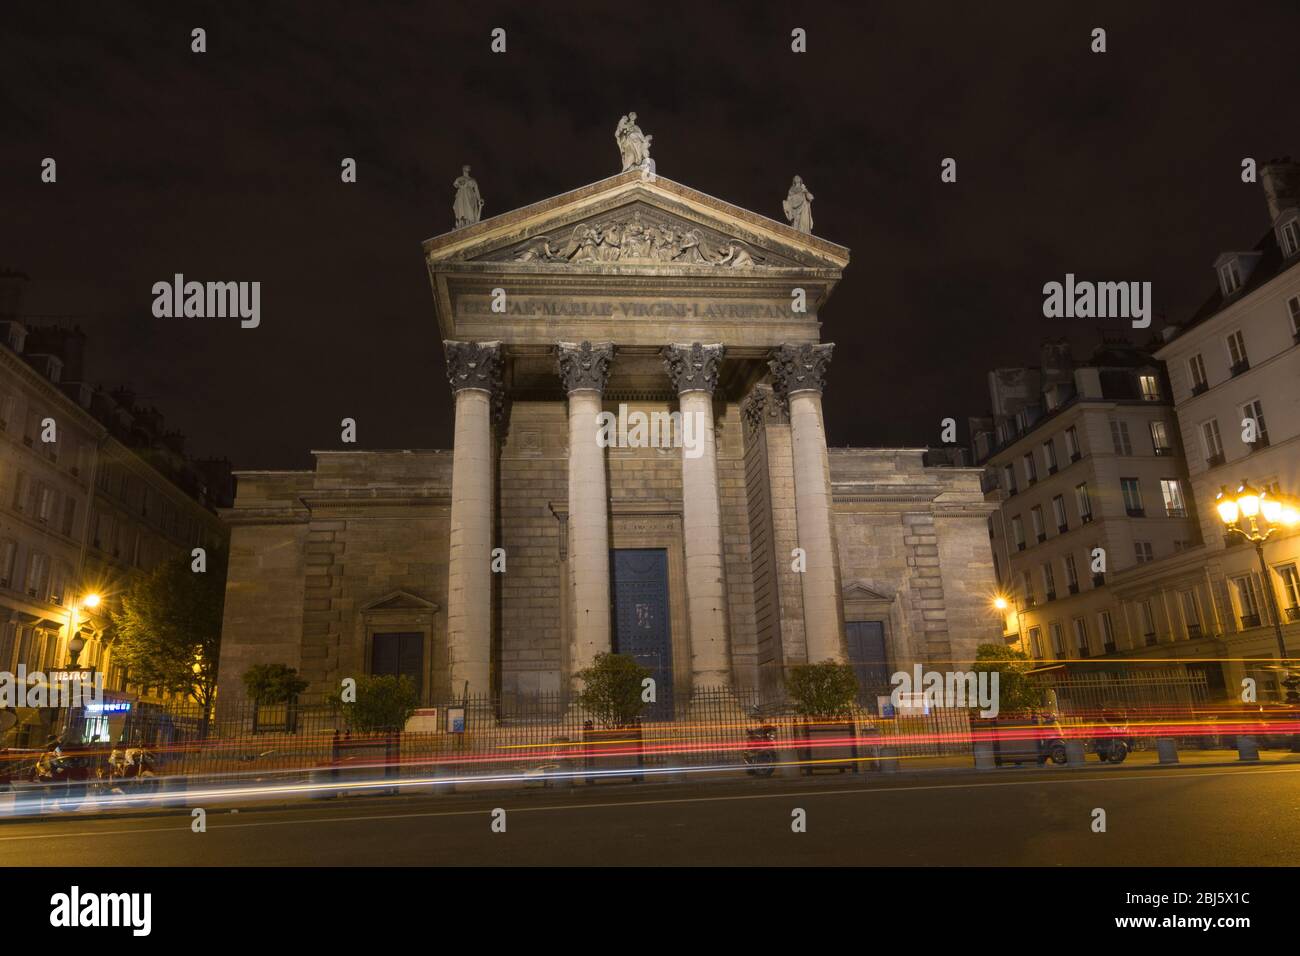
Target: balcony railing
[1215,460]
[1109,647]
[1240,367]
[1075,456]
[1136,512]
[1098,580]
[1074,588]
[1200,388]
[1051,595]
[1250,620]
[1293,614]
[1193,631]
[1149,639]
[1062,528]
[1163,450]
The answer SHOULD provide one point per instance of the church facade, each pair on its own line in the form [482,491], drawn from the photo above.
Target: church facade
[640,465]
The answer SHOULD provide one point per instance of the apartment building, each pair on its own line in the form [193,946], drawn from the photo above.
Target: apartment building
[92,491]
[1234,367]
[1085,464]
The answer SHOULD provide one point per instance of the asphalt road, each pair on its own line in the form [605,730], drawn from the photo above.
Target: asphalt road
[1225,816]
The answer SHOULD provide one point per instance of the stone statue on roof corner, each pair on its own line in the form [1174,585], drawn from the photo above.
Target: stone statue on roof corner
[633,145]
[468,206]
[798,206]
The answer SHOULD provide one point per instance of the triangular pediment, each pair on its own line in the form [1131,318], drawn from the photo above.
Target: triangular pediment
[400,601]
[632,224]
[857,591]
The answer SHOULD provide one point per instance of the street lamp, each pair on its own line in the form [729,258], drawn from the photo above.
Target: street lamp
[1263,515]
[76,643]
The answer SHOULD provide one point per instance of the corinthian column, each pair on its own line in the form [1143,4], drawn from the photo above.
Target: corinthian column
[474,371]
[694,373]
[584,370]
[799,374]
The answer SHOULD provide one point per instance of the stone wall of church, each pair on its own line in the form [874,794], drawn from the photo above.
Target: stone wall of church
[914,554]
[533,477]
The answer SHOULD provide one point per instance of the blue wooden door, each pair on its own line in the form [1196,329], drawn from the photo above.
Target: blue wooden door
[866,647]
[641,627]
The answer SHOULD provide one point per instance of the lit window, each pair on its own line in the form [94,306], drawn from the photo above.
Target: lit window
[1229,278]
[1172,490]
[1290,585]
[1150,387]
[1119,437]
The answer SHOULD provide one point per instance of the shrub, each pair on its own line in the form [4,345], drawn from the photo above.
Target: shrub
[1017,692]
[273,683]
[384,703]
[612,688]
[826,690]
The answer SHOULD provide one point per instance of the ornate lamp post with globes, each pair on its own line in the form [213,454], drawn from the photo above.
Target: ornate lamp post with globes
[1257,516]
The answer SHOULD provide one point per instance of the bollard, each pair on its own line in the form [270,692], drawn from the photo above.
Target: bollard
[1167,749]
[1074,756]
[888,761]
[984,755]
[1247,749]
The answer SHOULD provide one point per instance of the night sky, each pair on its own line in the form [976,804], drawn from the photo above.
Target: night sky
[225,166]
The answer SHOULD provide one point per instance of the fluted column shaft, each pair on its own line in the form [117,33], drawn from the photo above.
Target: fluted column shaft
[474,371]
[584,370]
[799,373]
[694,371]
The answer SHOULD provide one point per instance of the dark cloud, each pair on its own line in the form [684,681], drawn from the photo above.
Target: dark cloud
[225,165]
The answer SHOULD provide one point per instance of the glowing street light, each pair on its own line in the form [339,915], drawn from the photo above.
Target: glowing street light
[1262,515]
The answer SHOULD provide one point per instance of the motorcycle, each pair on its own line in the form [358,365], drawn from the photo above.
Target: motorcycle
[760,756]
[1114,746]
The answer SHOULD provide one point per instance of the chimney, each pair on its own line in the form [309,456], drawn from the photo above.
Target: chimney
[1281,181]
[1057,362]
[12,286]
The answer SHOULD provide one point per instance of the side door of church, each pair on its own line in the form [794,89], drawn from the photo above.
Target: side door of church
[865,642]
[399,653]
[641,626]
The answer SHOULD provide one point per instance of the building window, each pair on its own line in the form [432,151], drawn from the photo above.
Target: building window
[1083,502]
[1291,237]
[1071,574]
[1172,491]
[1018,532]
[1107,627]
[1027,585]
[1247,601]
[1290,589]
[1148,621]
[1237,357]
[1150,386]
[1254,412]
[1058,512]
[1036,642]
[1049,456]
[1031,472]
[1191,613]
[8,555]
[1009,479]
[1160,439]
[1081,636]
[1119,437]
[1040,529]
[1213,443]
[38,570]
[1058,646]
[1196,366]
[69,515]
[1049,582]
[1132,497]
[44,504]
[1072,446]
[1229,278]
[1143,551]
[58,581]
[1293,307]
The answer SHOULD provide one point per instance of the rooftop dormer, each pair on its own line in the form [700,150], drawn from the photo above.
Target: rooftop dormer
[1234,269]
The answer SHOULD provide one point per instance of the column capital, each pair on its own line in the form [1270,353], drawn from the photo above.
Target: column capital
[764,407]
[693,368]
[800,368]
[583,365]
[477,365]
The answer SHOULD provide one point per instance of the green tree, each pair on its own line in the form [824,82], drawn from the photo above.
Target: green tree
[825,691]
[168,628]
[273,683]
[385,702]
[1017,691]
[612,688]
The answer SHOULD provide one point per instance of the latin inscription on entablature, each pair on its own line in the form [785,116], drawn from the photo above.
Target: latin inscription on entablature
[535,307]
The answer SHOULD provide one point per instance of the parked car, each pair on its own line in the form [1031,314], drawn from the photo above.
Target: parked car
[1033,739]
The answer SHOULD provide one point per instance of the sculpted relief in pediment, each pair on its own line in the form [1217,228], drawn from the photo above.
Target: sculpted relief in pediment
[642,237]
